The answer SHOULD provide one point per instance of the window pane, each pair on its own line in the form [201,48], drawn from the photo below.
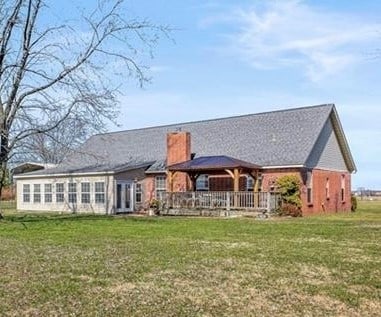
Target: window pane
[85,198]
[36,193]
[342,187]
[99,198]
[202,182]
[85,193]
[60,195]
[72,190]
[85,187]
[160,185]
[48,193]
[99,192]
[138,193]
[26,193]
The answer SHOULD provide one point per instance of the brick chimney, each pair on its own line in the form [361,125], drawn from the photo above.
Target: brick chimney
[179,150]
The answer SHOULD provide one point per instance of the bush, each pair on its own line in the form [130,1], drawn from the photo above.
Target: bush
[289,187]
[290,210]
[353,203]
[155,205]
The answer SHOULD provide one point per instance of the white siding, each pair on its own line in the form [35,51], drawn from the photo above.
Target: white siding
[92,207]
[327,153]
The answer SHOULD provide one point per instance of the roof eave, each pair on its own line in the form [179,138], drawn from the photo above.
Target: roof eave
[343,141]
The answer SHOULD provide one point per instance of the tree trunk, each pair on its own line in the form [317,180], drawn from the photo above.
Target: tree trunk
[4,153]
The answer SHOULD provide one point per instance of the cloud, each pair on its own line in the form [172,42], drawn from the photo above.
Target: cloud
[281,34]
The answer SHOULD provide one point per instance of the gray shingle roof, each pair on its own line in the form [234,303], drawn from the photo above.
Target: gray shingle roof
[276,138]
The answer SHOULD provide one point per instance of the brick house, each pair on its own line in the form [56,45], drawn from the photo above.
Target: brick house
[122,171]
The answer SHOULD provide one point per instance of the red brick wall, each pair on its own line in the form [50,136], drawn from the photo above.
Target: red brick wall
[148,186]
[333,203]
[320,203]
[179,150]
[270,176]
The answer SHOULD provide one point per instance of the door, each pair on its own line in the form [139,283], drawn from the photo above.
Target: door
[124,197]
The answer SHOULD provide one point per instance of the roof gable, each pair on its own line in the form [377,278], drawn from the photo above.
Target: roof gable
[331,150]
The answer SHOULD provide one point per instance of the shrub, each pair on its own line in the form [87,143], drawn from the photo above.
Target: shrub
[353,203]
[289,187]
[155,205]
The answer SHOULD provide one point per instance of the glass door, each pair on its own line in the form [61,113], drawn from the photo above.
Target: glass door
[124,194]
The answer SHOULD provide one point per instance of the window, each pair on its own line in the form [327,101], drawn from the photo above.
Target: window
[60,195]
[138,193]
[160,185]
[36,193]
[309,187]
[249,182]
[327,189]
[342,188]
[202,182]
[48,193]
[85,193]
[99,192]
[72,191]
[26,193]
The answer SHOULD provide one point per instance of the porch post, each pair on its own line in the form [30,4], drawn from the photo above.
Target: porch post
[236,186]
[192,179]
[170,181]
[236,180]
[256,194]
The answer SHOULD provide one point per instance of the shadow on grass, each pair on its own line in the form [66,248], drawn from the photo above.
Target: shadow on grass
[53,217]
[72,217]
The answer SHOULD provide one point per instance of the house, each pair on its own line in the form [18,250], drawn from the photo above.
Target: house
[122,171]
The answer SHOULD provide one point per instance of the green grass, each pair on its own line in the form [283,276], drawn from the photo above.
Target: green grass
[61,265]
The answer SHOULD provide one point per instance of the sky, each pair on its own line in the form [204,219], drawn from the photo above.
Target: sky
[228,58]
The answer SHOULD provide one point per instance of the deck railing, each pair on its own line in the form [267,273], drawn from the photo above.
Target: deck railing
[255,201]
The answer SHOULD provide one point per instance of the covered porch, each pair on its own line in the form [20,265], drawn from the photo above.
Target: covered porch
[239,196]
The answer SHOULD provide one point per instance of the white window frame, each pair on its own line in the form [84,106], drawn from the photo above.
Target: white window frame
[72,192]
[37,193]
[85,192]
[160,185]
[26,193]
[60,194]
[48,193]
[99,192]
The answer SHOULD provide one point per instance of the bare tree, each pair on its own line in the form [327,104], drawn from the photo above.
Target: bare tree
[51,74]
[56,145]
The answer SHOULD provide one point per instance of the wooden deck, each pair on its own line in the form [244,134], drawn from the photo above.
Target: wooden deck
[222,202]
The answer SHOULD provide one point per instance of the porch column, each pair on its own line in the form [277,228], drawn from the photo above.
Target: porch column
[192,179]
[256,194]
[170,181]
[236,187]
[236,179]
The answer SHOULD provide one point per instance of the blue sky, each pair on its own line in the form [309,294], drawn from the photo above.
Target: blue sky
[239,57]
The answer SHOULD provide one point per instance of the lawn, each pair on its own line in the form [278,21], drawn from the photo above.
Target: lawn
[60,265]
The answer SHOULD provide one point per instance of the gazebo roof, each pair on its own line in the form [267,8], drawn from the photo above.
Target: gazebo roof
[210,163]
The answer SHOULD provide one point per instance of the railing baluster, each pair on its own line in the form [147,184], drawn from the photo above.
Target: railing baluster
[254,201]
